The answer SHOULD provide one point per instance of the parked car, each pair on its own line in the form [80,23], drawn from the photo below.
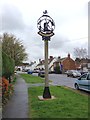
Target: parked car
[29,72]
[83,72]
[83,82]
[25,70]
[36,71]
[73,73]
[41,73]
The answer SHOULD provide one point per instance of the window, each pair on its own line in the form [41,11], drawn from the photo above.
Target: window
[83,77]
[88,77]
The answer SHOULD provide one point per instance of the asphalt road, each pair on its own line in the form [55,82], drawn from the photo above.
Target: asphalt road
[62,79]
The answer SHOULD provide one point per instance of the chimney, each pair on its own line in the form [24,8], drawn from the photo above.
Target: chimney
[39,60]
[59,57]
[51,57]
[68,55]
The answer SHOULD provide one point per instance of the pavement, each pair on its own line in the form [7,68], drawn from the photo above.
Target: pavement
[17,106]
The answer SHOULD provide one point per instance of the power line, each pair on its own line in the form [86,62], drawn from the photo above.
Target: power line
[72,40]
[80,38]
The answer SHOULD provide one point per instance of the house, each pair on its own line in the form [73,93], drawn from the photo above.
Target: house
[68,63]
[41,64]
[32,65]
[78,63]
[82,64]
[51,60]
[21,66]
[58,61]
[26,66]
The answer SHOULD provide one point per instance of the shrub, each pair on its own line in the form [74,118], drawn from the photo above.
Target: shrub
[7,90]
[7,65]
[57,70]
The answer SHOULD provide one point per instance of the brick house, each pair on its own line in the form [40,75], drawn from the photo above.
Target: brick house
[82,64]
[67,62]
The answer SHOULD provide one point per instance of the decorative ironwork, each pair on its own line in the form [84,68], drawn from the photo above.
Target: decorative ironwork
[45,25]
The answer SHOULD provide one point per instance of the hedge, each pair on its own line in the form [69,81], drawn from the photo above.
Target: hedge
[8,65]
[57,70]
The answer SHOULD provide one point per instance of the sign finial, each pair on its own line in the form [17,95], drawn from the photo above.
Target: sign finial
[45,12]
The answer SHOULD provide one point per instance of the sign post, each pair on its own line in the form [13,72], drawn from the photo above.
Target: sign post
[46,27]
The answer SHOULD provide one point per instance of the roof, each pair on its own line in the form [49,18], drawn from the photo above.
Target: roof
[50,60]
[84,60]
[60,60]
[43,61]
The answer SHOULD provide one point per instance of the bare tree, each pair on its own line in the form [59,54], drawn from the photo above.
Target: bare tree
[80,53]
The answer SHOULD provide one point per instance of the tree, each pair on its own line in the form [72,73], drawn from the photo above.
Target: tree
[14,48]
[8,65]
[0,58]
[80,53]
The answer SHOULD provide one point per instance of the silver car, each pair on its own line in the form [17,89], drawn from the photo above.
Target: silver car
[73,73]
[83,82]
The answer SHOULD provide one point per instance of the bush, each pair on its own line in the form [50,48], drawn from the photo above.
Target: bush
[7,90]
[57,70]
[8,65]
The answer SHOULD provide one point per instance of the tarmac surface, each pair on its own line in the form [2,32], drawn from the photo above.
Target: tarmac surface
[17,106]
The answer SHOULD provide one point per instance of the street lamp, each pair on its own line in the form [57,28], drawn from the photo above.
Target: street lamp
[46,27]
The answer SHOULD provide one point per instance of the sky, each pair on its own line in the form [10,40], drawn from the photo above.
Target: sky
[19,17]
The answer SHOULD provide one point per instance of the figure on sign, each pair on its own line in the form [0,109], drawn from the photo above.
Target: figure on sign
[46,26]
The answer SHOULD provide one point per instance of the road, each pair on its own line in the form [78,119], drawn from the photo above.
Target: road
[61,79]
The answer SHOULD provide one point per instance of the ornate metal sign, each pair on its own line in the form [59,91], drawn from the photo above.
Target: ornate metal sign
[45,25]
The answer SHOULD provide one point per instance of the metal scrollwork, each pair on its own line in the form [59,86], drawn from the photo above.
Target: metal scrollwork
[45,25]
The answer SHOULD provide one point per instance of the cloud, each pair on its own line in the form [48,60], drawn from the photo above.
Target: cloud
[58,42]
[11,18]
[20,18]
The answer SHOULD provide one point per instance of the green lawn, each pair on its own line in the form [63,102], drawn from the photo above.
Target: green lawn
[32,79]
[67,104]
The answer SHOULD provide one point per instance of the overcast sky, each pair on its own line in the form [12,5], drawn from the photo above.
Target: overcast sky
[71,25]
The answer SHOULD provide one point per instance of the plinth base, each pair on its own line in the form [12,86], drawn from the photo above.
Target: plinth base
[41,98]
[46,93]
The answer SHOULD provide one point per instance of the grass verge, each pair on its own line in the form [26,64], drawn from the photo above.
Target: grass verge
[67,104]
[32,79]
